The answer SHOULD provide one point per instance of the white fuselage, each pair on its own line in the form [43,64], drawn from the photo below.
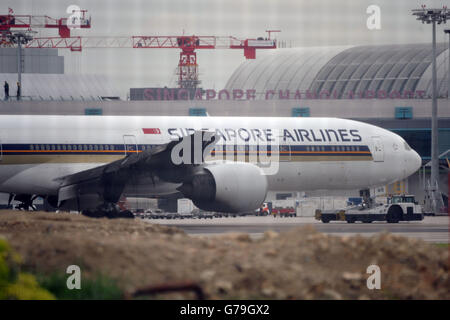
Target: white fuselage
[317,153]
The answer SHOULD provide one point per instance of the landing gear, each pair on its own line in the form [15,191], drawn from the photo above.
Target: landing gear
[108,210]
[26,201]
[10,199]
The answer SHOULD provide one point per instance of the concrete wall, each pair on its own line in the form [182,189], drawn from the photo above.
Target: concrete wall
[34,61]
[355,109]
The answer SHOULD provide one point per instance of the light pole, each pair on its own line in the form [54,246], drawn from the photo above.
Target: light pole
[448,70]
[433,16]
[19,38]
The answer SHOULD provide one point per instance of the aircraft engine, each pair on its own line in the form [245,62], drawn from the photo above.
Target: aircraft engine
[228,187]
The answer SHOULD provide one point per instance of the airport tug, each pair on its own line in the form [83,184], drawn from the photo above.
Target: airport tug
[398,208]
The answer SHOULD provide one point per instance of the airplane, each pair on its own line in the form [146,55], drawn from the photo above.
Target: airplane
[86,163]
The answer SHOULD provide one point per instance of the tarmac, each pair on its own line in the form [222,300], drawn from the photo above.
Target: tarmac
[431,229]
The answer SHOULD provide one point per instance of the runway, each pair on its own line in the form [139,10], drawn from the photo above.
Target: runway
[431,229]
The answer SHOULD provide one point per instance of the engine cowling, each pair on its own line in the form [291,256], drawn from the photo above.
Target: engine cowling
[227,187]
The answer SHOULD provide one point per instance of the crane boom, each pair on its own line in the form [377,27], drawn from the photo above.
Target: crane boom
[186,43]
[187,66]
[13,21]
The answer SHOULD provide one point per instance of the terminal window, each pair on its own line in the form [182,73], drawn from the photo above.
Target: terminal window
[93,111]
[199,112]
[419,139]
[403,112]
[300,112]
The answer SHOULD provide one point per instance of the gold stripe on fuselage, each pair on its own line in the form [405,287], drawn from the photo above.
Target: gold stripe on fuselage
[74,156]
[60,158]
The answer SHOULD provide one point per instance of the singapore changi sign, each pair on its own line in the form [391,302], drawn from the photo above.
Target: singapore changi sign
[251,94]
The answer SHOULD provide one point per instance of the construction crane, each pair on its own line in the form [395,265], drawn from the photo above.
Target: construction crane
[17,30]
[13,22]
[187,69]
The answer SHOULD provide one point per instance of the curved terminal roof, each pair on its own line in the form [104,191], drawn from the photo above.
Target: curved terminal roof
[341,70]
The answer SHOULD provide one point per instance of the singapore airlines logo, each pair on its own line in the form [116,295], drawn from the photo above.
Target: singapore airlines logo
[208,146]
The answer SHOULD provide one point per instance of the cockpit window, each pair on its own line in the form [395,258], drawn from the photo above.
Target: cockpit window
[407,147]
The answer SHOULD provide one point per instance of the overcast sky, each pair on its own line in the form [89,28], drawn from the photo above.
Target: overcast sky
[303,23]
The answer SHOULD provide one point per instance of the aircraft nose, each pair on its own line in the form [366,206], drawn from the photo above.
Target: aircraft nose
[414,162]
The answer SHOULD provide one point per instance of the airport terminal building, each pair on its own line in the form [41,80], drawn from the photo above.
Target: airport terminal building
[391,85]
[385,85]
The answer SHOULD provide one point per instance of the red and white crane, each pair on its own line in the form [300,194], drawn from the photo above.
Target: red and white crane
[12,22]
[187,66]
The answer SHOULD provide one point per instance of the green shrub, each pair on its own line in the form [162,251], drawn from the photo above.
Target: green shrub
[14,284]
[98,288]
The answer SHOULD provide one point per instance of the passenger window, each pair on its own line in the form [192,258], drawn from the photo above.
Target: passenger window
[31,147]
[95,147]
[106,147]
[111,147]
